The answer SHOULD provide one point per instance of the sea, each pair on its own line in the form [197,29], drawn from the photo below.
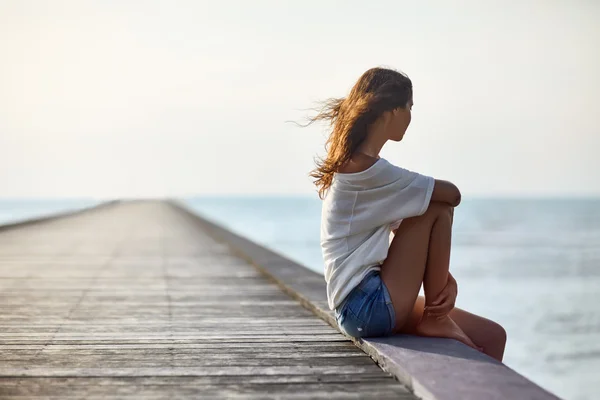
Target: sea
[19,210]
[532,265]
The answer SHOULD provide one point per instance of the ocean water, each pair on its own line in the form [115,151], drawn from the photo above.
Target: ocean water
[16,210]
[532,265]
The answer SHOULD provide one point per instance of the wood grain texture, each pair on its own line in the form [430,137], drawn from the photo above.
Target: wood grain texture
[136,300]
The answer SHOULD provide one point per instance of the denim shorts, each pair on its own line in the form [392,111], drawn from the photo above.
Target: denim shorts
[368,310]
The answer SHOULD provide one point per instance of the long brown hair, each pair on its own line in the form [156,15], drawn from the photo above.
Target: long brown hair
[378,90]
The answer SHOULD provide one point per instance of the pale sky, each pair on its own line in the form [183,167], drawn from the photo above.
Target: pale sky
[171,98]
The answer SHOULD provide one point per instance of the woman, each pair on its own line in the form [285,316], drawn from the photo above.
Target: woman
[372,284]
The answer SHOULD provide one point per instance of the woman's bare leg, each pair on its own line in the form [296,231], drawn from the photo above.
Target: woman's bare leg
[483,332]
[420,253]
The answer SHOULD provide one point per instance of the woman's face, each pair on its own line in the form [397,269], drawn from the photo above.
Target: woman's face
[400,121]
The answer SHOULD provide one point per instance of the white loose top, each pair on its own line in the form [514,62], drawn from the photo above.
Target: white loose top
[359,212]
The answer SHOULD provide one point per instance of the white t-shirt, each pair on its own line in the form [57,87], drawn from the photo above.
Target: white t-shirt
[359,211]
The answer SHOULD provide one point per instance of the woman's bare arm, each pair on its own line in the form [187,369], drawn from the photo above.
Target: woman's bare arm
[446,192]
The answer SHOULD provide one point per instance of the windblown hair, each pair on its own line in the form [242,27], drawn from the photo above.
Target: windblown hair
[378,90]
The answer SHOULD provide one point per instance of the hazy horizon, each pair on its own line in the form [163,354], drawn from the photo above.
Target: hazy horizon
[122,99]
[542,198]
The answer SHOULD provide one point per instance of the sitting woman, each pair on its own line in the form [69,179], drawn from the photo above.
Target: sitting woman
[373,285]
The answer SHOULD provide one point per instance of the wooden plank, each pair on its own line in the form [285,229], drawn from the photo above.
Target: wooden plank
[168,370]
[136,300]
[180,387]
[312,347]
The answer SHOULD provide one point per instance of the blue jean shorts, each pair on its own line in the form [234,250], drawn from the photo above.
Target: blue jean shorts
[368,310]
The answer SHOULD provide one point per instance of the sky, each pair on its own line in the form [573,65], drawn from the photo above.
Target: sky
[176,98]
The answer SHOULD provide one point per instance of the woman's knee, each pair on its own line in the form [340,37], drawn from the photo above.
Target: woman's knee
[499,334]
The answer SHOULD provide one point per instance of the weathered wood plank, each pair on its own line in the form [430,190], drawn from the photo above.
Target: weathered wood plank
[313,347]
[178,387]
[167,370]
[136,300]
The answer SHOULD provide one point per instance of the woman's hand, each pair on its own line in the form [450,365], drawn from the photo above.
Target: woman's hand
[445,301]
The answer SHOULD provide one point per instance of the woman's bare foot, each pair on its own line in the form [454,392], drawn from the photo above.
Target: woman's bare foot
[445,328]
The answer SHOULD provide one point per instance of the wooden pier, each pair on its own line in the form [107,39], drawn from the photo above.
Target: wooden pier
[137,300]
